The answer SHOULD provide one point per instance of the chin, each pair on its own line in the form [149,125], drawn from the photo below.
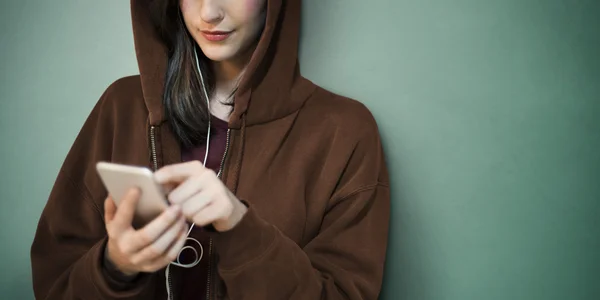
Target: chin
[219,53]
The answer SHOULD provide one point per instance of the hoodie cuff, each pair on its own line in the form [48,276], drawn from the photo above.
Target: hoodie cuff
[113,274]
[248,240]
[110,286]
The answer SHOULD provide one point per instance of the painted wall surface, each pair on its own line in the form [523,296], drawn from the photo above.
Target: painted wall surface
[488,109]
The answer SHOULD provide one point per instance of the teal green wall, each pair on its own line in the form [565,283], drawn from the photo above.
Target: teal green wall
[489,112]
[57,58]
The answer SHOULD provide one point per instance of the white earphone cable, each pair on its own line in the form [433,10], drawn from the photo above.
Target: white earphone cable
[198,256]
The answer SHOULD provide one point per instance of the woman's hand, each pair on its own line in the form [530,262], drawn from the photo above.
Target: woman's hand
[203,198]
[148,249]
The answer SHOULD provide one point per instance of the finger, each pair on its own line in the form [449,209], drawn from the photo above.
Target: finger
[197,202]
[169,187]
[173,252]
[159,247]
[126,210]
[189,188]
[153,230]
[178,172]
[170,255]
[110,208]
[209,214]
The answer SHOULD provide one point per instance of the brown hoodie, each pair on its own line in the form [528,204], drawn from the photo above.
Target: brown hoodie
[309,164]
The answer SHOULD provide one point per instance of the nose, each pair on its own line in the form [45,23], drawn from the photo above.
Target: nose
[211,11]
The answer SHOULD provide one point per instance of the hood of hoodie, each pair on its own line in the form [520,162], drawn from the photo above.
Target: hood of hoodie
[271,87]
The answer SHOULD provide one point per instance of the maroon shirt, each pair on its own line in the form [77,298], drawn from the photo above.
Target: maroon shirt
[195,279]
[218,139]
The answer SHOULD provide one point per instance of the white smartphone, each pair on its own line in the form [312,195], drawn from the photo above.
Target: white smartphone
[119,179]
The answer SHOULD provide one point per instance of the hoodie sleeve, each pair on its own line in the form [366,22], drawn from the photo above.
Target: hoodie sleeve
[344,261]
[68,248]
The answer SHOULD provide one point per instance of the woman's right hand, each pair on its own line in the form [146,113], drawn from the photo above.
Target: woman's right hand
[148,249]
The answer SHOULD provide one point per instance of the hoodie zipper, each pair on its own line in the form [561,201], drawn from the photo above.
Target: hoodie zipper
[224,154]
[155,167]
[153,146]
[210,247]
[219,174]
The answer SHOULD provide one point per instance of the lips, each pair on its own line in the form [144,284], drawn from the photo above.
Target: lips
[216,36]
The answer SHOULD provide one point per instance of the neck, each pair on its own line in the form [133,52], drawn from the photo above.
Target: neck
[228,73]
[227,76]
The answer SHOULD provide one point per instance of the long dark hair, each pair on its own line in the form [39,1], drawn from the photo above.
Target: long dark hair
[184,101]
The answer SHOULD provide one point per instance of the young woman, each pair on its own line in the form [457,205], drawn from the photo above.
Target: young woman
[283,184]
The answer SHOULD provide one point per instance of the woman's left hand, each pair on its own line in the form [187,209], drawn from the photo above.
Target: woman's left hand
[202,196]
